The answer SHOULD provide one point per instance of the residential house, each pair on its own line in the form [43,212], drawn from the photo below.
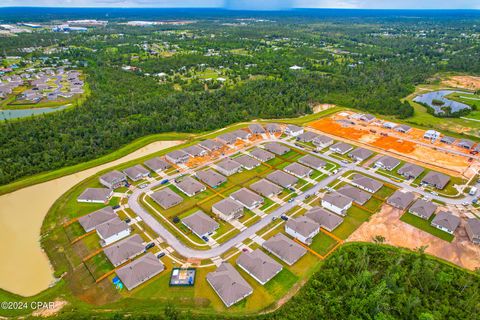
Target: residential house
[358,196]
[229,285]
[448,140]
[473,230]
[190,186]
[341,148]
[423,209]
[112,230]
[431,135]
[211,178]
[177,156]
[400,199]
[210,145]
[266,188]
[124,250]
[337,203]
[284,248]
[200,224]
[137,172]
[166,198]
[247,198]
[466,144]
[366,183]
[293,130]
[95,195]
[312,162]
[387,163]
[277,148]
[446,221]
[262,155]
[327,220]
[228,209]
[273,128]
[322,142]
[436,179]
[227,138]
[247,162]
[140,270]
[96,218]
[195,151]
[259,265]
[410,171]
[282,179]
[302,228]
[256,129]
[403,128]
[298,170]
[360,154]
[113,179]
[242,134]
[228,166]
[307,136]
[157,164]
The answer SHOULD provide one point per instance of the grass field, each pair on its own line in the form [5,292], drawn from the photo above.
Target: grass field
[426,226]
[354,219]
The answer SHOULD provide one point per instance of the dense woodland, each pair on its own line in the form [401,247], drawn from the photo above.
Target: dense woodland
[370,281]
[360,62]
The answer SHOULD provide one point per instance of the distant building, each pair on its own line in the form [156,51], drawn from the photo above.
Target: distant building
[403,128]
[282,179]
[322,142]
[341,148]
[431,135]
[410,171]
[293,130]
[360,154]
[266,188]
[277,148]
[228,166]
[211,178]
[177,156]
[387,163]
[256,129]
[262,155]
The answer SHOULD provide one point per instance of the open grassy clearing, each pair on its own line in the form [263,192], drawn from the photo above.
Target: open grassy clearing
[426,226]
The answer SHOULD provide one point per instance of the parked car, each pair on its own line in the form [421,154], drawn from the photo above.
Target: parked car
[176,219]
[284,217]
[205,238]
[161,254]
[116,207]
[150,245]
[128,220]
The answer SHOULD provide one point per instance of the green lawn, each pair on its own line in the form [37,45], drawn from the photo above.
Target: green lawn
[425,226]
[322,243]
[354,219]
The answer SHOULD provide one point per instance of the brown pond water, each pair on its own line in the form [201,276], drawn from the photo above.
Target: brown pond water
[24,267]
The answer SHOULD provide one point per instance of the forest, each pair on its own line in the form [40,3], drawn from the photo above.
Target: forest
[358,62]
[369,281]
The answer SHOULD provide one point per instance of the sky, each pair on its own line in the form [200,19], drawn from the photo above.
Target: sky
[255,4]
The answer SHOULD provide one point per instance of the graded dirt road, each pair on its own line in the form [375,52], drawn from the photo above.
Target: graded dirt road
[387,223]
[25,269]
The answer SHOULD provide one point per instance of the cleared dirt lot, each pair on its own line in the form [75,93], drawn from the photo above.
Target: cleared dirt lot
[466,82]
[398,233]
[409,147]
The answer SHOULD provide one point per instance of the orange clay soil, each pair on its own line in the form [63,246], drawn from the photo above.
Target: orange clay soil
[395,144]
[329,125]
[467,82]
[387,223]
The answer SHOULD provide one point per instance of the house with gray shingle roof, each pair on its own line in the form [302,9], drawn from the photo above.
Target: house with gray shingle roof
[387,163]
[124,250]
[337,203]
[140,270]
[137,172]
[96,218]
[366,183]
[282,179]
[229,285]
[195,151]
[242,134]
[293,130]
[262,155]
[228,166]
[200,223]
[273,128]
[259,265]
[95,195]
[403,128]
[266,188]
[227,138]
[466,144]
[113,179]
[312,162]
[322,142]
[360,154]
[166,198]
[400,199]
[341,148]
[302,228]
[190,186]
[177,156]
[473,230]
[228,209]
[211,178]
[210,145]
[307,136]
[256,128]
[358,196]
[277,148]
[446,221]
[423,209]
[157,164]
[247,162]
[112,230]
[247,198]
[298,170]
[284,248]
[327,220]
[410,171]
[436,179]
[447,140]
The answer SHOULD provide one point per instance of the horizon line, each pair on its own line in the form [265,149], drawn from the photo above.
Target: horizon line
[228,9]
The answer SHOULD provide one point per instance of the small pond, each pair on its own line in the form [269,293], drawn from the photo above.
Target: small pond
[22,113]
[430,97]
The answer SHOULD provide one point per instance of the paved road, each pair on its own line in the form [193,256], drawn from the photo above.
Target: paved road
[188,252]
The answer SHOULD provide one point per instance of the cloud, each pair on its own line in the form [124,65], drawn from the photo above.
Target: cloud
[392,4]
